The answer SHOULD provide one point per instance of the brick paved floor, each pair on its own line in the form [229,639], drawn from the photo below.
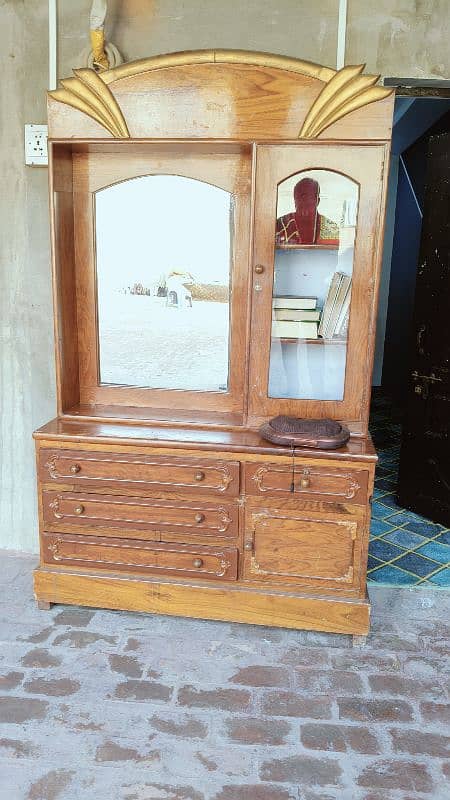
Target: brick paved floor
[117,706]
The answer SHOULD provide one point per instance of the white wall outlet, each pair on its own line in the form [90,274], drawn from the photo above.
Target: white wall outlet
[36,145]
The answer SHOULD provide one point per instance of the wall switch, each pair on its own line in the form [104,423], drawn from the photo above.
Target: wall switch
[36,145]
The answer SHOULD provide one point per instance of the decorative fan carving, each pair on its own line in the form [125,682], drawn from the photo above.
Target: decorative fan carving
[89,94]
[345,92]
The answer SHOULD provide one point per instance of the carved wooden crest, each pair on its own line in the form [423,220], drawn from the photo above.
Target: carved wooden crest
[344,91]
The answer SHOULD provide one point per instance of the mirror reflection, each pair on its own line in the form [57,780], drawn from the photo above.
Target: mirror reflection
[314,248]
[163,251]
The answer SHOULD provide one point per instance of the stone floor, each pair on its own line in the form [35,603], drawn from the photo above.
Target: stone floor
[121,706]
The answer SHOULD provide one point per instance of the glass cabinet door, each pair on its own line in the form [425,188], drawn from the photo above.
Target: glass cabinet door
[313,278]
[313,265]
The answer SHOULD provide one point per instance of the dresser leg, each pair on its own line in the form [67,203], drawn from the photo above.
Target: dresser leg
[43,605]
[359,641]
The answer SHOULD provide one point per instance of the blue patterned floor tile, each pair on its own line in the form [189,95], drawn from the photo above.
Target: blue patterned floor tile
[392,476]
[385,458]
[444,538]
[383,471]
[404,538]
[417,565]
[442,578]
[378,493]
[428,529]
[392,576]
[403,517]
[437,551]
[391,468]
[384,550]
[380,511]
[378,527]
[386,484]
[390,500]
[417,548]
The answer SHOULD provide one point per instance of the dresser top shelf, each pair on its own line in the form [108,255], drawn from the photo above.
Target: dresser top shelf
[241,441]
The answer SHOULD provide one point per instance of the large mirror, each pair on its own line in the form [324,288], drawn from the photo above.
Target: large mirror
[163,252]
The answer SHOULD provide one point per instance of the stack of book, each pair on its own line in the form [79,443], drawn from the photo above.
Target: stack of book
[295,317]
[335,312]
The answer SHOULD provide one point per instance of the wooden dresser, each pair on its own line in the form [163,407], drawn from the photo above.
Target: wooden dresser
[169,181]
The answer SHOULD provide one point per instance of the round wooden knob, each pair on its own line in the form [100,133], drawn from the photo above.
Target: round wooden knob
[75,468]
[79,510]
[199,476]
[259,269]
[198,562]
[199,518]
[248,546]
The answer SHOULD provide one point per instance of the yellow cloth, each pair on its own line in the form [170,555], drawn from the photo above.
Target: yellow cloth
[98,48]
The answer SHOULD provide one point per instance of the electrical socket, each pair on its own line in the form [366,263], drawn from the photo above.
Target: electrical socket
[36,145]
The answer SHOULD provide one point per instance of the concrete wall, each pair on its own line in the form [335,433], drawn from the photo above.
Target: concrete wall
[395,37]
[27,366]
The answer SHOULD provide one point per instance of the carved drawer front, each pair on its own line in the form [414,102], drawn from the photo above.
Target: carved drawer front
[114,470]
[301,548]
[322,483]
[95,511]
[125,554]
[268,479]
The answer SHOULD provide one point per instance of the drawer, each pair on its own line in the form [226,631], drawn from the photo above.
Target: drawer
[84,510]
[115,470]
[311,549]
[130,556]
[314,482]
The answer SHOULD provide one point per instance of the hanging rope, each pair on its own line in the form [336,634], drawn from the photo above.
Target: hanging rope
[97,34]
[103,55]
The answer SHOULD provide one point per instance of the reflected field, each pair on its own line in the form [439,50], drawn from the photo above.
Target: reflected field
[145,342]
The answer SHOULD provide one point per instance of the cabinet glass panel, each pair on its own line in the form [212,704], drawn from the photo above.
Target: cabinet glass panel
[314,249]
[163,252]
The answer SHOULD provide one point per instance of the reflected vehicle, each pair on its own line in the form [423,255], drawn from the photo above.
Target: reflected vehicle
[178,295]
[169,240]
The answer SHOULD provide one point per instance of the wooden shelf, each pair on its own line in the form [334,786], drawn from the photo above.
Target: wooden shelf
[287,340]
[306,247]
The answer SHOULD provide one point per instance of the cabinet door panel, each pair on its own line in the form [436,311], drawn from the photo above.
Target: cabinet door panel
[314,298]
[301,548]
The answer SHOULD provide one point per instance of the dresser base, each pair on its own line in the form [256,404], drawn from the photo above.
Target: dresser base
[253,606]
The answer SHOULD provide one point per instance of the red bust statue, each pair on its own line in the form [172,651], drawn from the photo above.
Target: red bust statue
[305,225]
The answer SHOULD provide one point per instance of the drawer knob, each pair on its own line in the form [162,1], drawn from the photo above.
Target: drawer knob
[75,468]
[259,269]
[305,480]
[79,510]
[199,518]
[248,546]
[199,476]
[198,562]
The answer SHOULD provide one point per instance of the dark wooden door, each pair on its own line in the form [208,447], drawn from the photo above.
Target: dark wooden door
[424,482]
